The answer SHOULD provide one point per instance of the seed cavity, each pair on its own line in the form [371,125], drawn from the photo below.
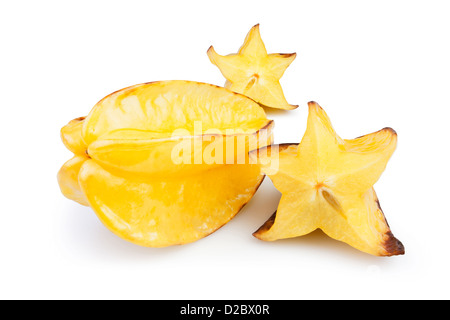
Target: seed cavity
[252,81]
[333,202]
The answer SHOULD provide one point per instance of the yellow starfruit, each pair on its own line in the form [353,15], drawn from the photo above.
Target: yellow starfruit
[327,182]
[165,163]
[255,73]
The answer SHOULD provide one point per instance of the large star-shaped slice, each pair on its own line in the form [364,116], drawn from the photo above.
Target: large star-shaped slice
[255,73]
[327,182]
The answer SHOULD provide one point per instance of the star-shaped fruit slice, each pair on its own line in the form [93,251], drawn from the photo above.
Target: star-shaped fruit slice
[327,183]
[255,73]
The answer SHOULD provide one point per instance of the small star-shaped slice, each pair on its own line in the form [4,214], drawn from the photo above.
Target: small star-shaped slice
[327,183]
[255,73]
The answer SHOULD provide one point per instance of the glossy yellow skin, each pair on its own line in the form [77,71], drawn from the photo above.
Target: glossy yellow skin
[68,174]
[123,166]
[255,73]
[327,183]
[68,179]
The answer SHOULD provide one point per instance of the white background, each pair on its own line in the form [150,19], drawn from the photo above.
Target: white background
[368,64]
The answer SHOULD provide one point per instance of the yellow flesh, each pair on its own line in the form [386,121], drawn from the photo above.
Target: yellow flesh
[123,167]
[326,182]
[255,73]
